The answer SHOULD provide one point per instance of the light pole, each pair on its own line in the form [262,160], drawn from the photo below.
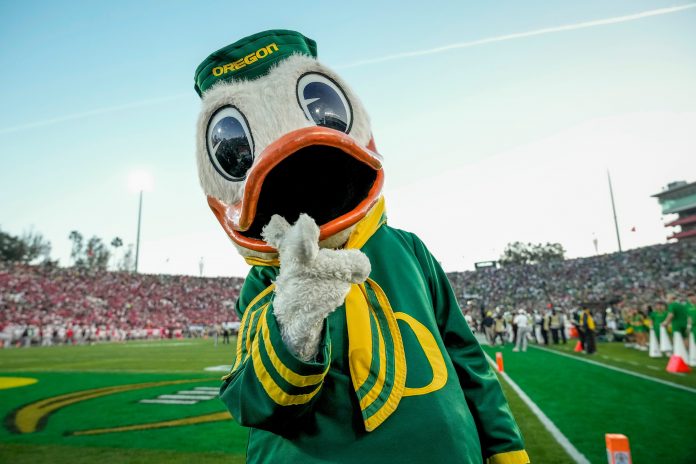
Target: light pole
[137,237]
[613,209]
[139,181]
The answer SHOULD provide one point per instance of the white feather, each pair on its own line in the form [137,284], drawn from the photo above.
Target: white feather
[270,105]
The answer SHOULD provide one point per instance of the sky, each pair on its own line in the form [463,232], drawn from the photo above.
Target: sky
[498,121]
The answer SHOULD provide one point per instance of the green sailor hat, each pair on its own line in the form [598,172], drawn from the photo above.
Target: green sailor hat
[251,57]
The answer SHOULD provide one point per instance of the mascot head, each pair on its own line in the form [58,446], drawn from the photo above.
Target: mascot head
[280,133]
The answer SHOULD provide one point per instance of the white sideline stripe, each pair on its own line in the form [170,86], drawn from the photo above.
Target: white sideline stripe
[186,397]
[618,369]
[562,440]
[158,401]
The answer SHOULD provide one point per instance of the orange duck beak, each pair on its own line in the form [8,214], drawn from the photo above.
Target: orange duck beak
[314,170]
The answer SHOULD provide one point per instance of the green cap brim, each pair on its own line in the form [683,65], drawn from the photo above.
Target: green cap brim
[251,57]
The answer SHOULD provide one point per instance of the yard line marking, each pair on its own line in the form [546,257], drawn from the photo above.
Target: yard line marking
[653,368]
[186,397]
[199,392]
[618,369]
[562,440]
[169,401]
[214,389]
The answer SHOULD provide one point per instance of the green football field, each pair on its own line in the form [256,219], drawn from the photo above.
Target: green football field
[156,402]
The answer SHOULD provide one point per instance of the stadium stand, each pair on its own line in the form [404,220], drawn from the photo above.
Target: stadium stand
[47,304]
[638,277]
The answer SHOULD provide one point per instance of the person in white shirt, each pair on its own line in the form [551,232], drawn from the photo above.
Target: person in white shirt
[523,328]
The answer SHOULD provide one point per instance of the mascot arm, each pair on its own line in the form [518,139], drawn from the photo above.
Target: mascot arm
[501,440]
[312,282]
[269,387]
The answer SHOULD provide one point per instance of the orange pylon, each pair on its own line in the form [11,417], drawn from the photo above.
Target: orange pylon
[578,347]
[499,361]
[618,450]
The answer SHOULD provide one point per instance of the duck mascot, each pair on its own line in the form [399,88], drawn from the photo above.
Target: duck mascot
[352,347]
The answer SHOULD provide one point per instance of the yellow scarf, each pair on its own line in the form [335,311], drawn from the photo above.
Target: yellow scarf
[375,349]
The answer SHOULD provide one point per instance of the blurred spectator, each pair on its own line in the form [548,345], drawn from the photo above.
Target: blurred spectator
[42,305]
[587,324]
[523,330]
[488,327]
[676,317]
[499,328]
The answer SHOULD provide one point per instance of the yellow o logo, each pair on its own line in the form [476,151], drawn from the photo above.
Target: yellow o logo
[432,353]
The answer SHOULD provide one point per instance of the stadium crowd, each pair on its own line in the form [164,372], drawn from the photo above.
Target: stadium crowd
[621,295]
[42,305]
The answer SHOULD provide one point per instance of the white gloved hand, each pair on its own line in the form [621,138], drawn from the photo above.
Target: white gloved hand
[312,283]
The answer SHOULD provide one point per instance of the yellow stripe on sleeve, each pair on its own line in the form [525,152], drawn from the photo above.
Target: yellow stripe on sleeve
[511,457]
[269,385]
[285,372]
[258,297]
[240,336]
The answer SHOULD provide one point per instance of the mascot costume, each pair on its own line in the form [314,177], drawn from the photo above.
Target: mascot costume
[352,347]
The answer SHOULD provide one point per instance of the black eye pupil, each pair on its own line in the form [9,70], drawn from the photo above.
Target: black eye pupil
[230,147]
[325,106]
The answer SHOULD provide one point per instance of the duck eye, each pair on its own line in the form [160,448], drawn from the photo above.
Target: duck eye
[229,142]
[323,102]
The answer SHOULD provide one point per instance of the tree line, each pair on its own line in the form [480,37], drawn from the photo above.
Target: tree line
[32,247]
[516,253]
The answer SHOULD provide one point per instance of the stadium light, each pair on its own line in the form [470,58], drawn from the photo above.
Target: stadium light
[139,181]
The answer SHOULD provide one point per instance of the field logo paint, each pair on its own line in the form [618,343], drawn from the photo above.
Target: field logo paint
[34,416]
[15,382]
[214,417]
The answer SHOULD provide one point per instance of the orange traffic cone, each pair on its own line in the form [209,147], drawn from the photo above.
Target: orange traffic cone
[676,365]
[499,361]
[578,347]
[618,449]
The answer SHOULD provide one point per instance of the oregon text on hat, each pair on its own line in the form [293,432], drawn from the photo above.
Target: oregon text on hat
[251,57]
[259,54]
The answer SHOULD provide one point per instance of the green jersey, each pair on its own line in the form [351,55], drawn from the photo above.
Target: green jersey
[678,310]
[657,318]
[638,323]
[450,407]
[691,314]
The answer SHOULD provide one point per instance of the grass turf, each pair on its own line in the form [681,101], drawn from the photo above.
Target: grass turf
[540,445]
[64,369]
[616,354]
[586,401]
[191,355]
[31,454]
